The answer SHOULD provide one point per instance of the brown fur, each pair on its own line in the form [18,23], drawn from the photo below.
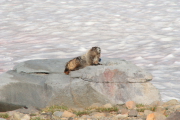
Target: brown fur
[92,57]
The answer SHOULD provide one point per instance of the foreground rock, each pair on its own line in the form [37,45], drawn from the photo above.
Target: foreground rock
[41,83]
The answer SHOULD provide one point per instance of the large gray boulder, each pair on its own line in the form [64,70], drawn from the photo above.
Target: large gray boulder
[40,83]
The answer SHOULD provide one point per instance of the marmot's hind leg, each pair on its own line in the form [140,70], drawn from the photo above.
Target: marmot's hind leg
[72,65]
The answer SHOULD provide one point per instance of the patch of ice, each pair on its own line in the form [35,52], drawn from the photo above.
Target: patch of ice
[167,39]
[90,23]
[168,57]
[177,63]
[168,28]
[156,18]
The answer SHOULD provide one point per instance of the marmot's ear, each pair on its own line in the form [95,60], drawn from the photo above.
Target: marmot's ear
[93,48]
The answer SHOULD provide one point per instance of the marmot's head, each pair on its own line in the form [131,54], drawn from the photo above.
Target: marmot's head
[97,50]
[95,54]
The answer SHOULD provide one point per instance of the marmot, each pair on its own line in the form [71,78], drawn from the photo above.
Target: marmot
[92,57]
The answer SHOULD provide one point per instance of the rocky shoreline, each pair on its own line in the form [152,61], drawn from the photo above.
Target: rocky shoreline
[158,110]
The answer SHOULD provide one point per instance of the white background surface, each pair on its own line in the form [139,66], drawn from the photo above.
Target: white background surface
[146,32]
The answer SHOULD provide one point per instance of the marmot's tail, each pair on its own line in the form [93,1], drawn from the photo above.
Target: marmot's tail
[66,71]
